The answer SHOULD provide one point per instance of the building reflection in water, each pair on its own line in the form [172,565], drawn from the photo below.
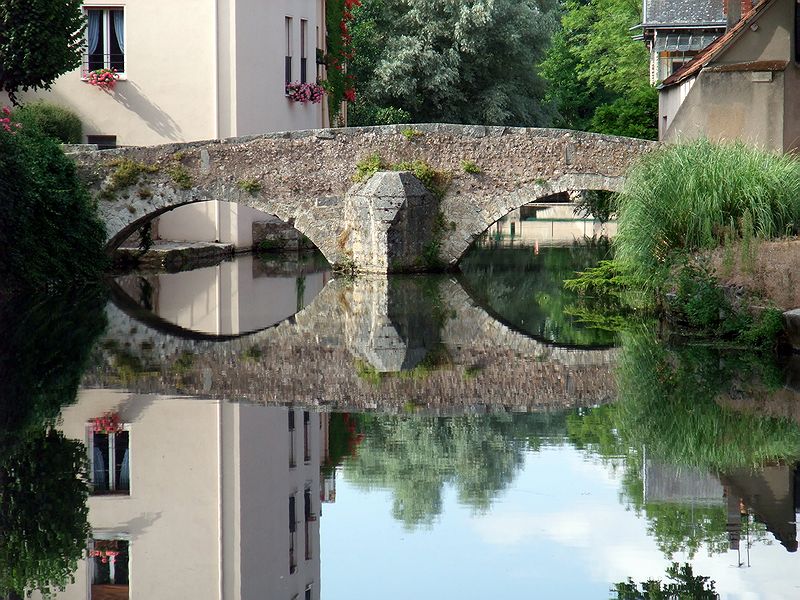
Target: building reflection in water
[551,225]
[199,499]
[234,297]
[768,496]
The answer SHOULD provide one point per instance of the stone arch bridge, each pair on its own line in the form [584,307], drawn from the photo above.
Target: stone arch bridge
[389,223]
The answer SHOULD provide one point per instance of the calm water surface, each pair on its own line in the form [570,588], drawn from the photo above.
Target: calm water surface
[258,429]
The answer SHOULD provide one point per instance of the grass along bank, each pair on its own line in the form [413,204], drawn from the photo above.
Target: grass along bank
[682,206]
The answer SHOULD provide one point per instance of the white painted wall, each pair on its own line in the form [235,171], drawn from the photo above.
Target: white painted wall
[192,73]
[227,299]
[207,516]
[225,222]
[167,91]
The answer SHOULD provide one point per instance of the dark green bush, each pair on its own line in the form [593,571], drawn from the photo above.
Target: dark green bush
[54,121]
[50,233]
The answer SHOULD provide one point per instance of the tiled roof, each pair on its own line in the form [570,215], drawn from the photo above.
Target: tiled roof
[683,12]
[695,65]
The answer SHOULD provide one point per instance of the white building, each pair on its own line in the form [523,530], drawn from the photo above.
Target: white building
[195,71]
[200,499]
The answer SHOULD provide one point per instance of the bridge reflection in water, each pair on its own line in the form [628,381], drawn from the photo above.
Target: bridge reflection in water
[232,298]
[347,347]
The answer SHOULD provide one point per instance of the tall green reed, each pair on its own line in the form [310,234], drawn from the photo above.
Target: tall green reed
[686,197]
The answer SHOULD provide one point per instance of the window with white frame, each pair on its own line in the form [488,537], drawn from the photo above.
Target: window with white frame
[109,459]
[105,39]
[109,563]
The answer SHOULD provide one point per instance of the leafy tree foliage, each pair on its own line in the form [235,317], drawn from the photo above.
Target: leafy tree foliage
[39,40]
[41,539]
[470,61]
[49,229]
[683,585]
[597,74]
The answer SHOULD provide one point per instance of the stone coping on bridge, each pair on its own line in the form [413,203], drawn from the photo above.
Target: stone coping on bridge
[473,131]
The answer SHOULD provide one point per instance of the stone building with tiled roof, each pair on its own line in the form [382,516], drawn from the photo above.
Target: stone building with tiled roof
[676,30]
[744,86]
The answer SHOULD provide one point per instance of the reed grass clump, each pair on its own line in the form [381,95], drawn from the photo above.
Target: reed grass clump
[690,196]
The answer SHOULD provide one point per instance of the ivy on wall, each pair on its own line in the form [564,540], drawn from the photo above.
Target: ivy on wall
[340,85]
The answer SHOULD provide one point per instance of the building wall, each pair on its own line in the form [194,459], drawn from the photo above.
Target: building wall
[791,123]
[212,221]
[757,107]
[769,41]
[729,106]
[669,103]
[260,45]
[167,92]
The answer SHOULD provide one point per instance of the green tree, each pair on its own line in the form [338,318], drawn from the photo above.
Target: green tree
[470,61]
[597,74]
[39,40]
[49,229]
[43,512]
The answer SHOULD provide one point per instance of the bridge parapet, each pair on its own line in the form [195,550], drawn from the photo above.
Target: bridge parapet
[303,177]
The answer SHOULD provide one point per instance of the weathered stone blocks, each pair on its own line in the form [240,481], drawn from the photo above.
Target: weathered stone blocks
[390,222]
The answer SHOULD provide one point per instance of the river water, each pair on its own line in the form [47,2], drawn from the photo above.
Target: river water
[263,429]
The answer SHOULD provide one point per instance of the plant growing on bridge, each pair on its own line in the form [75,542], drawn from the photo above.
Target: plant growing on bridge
[127,173]
[410,133]
[250,186]
[469,166]
[180,176]
[436,182]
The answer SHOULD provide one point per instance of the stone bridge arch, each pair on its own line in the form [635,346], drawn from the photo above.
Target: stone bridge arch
[466,226]
[306,216]
[306,178]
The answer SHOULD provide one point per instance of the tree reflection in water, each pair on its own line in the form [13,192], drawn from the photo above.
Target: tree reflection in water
[526,288]
[416,456]
[670,416]
[46,344]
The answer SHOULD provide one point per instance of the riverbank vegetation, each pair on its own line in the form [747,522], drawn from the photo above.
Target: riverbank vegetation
[49,229]
[680,203]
